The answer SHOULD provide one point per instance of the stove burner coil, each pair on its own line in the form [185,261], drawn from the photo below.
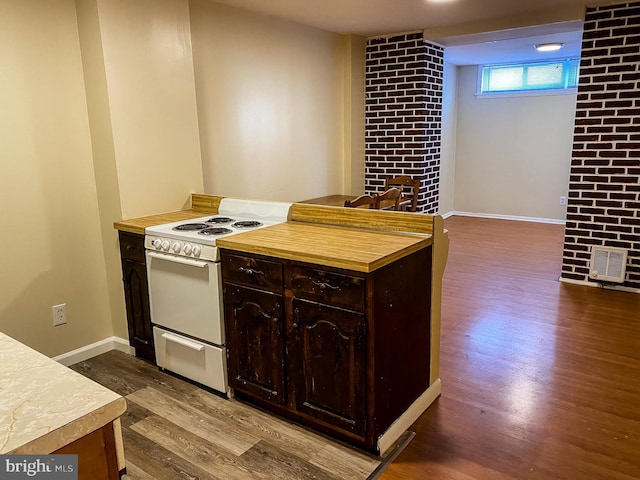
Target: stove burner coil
[220,220]
[186,227]
[247,224]
[215,231]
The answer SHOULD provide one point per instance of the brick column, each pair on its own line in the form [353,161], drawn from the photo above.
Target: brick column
[403,111]
[604,190]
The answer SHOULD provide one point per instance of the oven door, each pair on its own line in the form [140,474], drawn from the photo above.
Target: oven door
[186,295]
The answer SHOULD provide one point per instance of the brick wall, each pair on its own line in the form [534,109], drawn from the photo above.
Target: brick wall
[403,112]
[604,190]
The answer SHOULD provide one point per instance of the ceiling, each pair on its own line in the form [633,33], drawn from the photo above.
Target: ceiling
[514,45]
[383,17]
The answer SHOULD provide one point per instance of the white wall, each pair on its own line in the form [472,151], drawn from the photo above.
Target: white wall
[513,154]
[354,119]
[140,90]
[152,102]
[448,145]
[50,247]
[270,104]
[99,122]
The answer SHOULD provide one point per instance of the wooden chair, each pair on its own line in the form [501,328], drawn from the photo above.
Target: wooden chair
[388,200]
[361,201]
[404,182]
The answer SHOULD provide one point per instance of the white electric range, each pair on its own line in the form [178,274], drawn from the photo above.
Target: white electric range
[185,287]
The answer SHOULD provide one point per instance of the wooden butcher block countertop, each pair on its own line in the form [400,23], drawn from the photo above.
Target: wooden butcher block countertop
[343,247]
[137,225]
[201,206]
[354,239]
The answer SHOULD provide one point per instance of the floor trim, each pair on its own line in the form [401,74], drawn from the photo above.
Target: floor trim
[504,217]
[392,454]
[93,350]
[411,414]
[618,288]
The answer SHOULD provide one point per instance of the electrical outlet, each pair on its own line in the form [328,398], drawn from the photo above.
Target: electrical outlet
[563,201]
[59,314]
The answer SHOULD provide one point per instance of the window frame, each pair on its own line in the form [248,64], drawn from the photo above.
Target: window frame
[524,92]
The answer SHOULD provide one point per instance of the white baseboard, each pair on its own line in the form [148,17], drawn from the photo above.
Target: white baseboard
[617,288]
[411,414]
[504,217]
[93,350]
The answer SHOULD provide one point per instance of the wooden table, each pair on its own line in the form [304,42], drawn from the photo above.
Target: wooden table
[333,200]
[338,201]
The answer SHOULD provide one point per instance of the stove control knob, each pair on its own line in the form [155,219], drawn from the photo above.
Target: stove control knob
[187,249]
[196,250]
[156,243]
[176,247]
[165,244]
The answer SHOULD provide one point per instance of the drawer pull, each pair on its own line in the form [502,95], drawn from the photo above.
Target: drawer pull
[183,341]
[251,271]
[182,260]
[324,285]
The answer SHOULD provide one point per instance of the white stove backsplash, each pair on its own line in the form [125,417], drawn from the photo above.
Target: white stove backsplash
[275,212]
[267,213]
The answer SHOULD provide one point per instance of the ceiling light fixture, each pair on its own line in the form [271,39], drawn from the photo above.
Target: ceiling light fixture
[549,47]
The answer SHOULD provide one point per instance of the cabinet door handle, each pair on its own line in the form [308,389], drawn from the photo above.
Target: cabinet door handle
[182,260]
[324,285]
[251,271]
[183,341]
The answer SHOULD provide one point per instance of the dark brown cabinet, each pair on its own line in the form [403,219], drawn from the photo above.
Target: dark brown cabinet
[254,325]
[255,328]
[327,345]
[319,348]
[341,351]
[327,348]
[136,295]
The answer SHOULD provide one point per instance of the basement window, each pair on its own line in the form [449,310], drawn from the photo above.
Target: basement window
[555,76]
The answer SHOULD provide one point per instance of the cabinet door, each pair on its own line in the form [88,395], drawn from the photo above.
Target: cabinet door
[136,295]
[328,364]
[255,344]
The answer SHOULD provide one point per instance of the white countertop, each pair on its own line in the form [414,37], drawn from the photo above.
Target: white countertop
[45,405]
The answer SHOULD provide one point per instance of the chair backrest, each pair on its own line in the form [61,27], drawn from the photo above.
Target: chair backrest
[389,199]
[362,200]
[405,181]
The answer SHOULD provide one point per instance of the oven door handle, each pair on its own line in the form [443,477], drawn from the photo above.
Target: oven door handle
[184,261]
[183,341]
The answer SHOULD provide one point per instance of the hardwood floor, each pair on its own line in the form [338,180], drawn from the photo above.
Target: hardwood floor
[175,430]
[541,379]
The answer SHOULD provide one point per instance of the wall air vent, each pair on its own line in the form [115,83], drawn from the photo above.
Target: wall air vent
[608,264]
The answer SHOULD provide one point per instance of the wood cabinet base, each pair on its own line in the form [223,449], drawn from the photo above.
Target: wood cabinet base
[136,295]
[97,457]
[342,351]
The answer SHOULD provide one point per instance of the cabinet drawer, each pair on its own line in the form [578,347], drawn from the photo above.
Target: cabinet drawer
[132,246]
[201,362]
[251,271]
[327,287]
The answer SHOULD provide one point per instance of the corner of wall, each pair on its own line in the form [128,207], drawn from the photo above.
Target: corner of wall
[354,99]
